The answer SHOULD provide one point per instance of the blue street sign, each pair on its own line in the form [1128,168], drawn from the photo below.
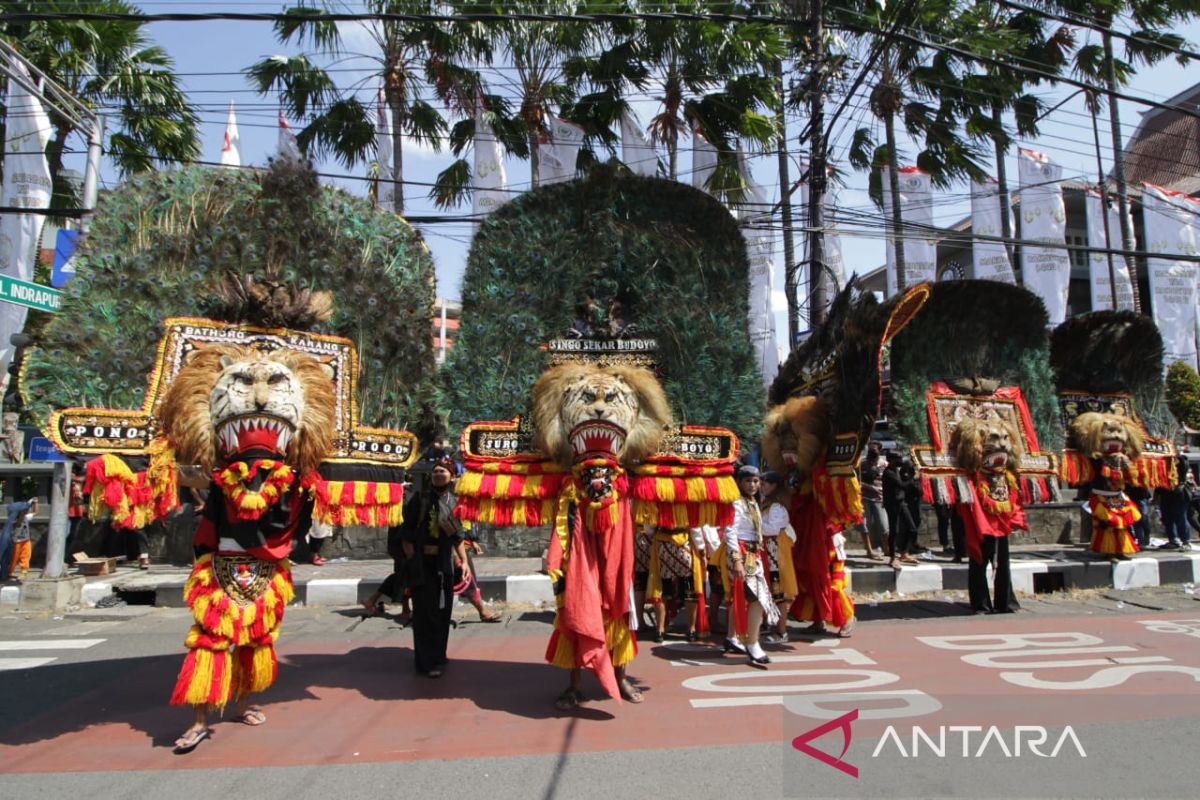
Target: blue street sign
[41,449]
[64,251]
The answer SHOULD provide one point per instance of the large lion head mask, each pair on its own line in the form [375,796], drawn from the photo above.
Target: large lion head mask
[795,433]
[985,444]
[580,409]
[1101,435]
[229,399]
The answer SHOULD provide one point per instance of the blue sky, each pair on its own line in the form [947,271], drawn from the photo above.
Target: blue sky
[211,55]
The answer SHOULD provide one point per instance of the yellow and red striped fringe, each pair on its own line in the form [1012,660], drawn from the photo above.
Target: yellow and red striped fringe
[671,496]
[1076,468]
[370,503]
[839,496]
[509,493]
[134,499]
[218,614]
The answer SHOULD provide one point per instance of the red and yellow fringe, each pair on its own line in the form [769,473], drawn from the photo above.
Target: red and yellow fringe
[683,496]
[378,505]
[134,499]
[218,614]
[252,504]
[839,496]
[509,493]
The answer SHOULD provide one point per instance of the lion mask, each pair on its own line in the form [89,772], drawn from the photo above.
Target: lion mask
[227,399]
[985,444]
[581,409]
[1101,435]
[795,434]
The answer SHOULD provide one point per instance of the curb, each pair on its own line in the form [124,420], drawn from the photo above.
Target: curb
[1030,576]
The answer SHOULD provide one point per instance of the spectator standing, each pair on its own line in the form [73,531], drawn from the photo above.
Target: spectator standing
[16,528]
[875,517]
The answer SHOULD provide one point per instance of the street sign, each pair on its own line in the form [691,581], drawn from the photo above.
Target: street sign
[32,295]
[41,449]
[65,246]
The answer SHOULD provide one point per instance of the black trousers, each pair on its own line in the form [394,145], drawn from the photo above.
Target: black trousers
[995,548]
[433,602]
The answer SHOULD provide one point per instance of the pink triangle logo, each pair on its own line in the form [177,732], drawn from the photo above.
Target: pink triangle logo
[801,743]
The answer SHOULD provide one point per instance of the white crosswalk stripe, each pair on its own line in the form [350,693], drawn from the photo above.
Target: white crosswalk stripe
[33,645]
[49,644]
[8,664]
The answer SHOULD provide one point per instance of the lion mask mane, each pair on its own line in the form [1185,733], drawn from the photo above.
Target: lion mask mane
[1099,435]
[627,402]
[224,392]
[795,434]
[979,444]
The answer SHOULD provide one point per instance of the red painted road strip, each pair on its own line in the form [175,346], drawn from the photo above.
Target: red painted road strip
[345,704]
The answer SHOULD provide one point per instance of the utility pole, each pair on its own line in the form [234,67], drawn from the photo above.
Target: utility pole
[818,178]
[1127,242]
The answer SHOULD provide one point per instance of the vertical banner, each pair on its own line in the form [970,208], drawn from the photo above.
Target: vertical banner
[991,262]
[704,160]
[26,185]
[385,178]
[1046,271]
[490,182]
[231,150]
[918,237]
[1170,220]
[1099,277]
[834,261]
[558,152]
[760,249]
[636,150]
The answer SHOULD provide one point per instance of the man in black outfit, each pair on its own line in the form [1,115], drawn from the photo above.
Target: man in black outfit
[432,539]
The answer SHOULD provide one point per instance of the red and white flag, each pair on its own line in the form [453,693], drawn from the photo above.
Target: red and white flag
[231,152]
[289,148]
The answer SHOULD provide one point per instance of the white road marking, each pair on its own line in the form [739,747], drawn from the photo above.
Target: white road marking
[8,664]
[50,644]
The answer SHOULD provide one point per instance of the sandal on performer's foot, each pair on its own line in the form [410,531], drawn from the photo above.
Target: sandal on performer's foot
[569,700]
[191,737]
[252,716]
[629,692]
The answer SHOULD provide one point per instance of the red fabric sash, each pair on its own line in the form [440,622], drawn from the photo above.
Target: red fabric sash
[810,557]
[598,578]
[978,523]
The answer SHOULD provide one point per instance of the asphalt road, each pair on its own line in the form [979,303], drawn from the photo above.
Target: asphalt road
[1092,695]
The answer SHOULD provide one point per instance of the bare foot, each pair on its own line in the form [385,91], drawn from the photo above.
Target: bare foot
[629,692]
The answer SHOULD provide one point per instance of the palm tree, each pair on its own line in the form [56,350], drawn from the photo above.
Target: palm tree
[112,66]
[416,63]
[920,85]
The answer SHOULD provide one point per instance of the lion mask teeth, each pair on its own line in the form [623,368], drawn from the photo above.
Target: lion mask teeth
[240,433]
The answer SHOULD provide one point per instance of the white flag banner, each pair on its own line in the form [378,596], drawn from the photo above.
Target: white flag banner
[1169,219]
[1100,279]
[1046,271]
[636,150]
[918,238]
[490,183]
[559,151]
[385,177]
[704,160]
[990,259]
[231,152]
[26,185]
[289,148]
[760,249]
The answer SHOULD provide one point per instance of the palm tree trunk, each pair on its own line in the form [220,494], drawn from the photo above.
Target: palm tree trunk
[1114,120]
[785,207]
[889,126]
[535,168]
[1002,189]
[397,156]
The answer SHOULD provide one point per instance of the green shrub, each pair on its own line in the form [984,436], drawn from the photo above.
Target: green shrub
[1183,394]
